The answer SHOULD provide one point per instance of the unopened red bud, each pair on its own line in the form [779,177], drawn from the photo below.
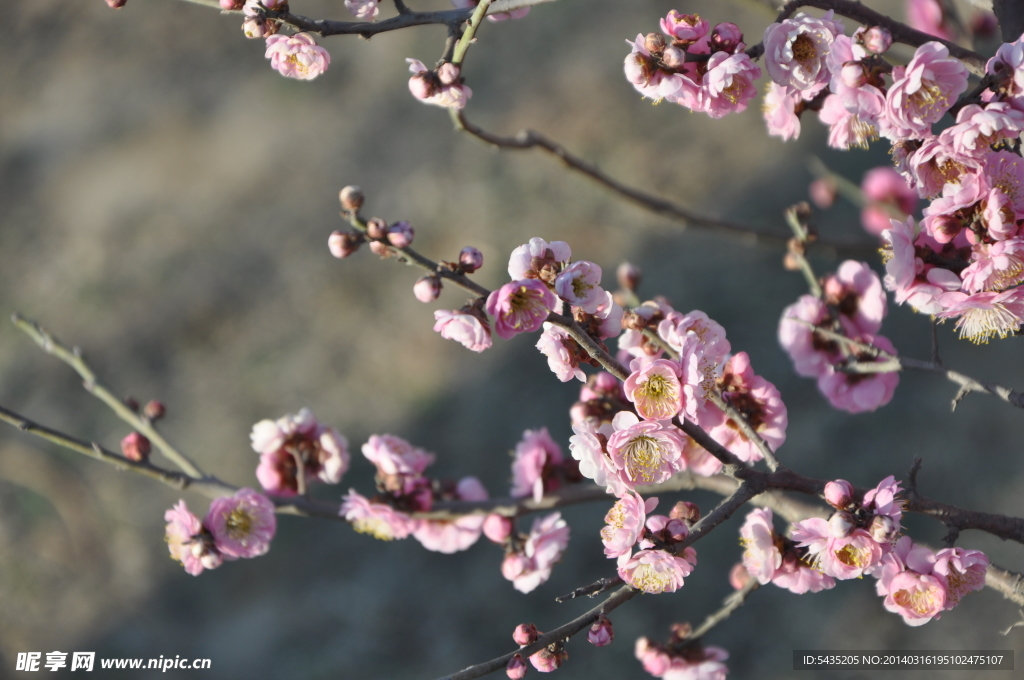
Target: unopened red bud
[116,4]
[231,4]
[135,447]
[877,39]
[400,234]
[685,511]
[550,658]
[380,248]
[471,259]
[945,228]
[629,276]
[822,192]
[655,43]
[726,37]
[351,198]
[601,633]
[739,577]
[673,57]
[154,410]
[344,243]
[516,668]
[839,493]
[376,228]
[423,85]
[498,528]
[427,289]
[525,634]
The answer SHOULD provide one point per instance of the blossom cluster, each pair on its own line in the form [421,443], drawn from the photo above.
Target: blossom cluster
[241,525]
[862,539]
[853,304]
[655,567]
[682,658]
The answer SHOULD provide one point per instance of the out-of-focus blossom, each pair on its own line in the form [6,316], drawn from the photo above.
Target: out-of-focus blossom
[442,87]
[293,440]
[297,56]
[376,519]
[464,328]
[188,542]
[451,536]
[537,457]
[542,549]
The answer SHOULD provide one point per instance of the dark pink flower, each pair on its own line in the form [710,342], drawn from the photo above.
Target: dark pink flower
[520,307]
[188,542]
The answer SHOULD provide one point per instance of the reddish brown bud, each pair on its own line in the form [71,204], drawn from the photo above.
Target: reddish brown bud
[135,447]
[351,198]
[376,228]
[154,410]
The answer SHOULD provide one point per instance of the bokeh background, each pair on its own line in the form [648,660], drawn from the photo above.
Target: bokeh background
[165,202]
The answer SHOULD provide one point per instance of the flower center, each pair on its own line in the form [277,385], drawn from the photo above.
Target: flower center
[980,325]
[643,457]
[920,601]
[239,523]
[803,49]
[852,557]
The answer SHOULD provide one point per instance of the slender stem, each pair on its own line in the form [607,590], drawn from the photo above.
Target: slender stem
[467,36]
[73,358]
[733,602]
[803,237]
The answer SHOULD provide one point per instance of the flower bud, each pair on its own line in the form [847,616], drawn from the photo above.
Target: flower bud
[739,577]
[400,234]
[135,447]
[258,26]
[380,248]
[423,85]
[376,228]
[343,243]
[231,4]
[629,276]
[154,410]
[132,403]
[655,43]
[601,633]
[448,73]
[840,524]
[984,25]
[497,528]
[839,493]
[275,4]
[822,192]
[549,658]
[853,74]
[427,289]
[116,4]
[883,528]
[673,57]
[726,37]
[685,511]
[351,198]
[945,228]
[516,668]
[525,634]
[470,259]
[877,39]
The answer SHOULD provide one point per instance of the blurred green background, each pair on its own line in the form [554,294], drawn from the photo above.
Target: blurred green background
[165,202]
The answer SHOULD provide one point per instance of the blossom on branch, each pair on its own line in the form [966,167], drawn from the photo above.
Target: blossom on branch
[242,525]
[297,56]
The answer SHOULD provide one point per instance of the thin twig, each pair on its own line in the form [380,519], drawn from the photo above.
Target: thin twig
[468,35]
[73,358]
[731,603]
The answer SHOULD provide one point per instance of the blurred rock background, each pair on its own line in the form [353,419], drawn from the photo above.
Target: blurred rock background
[165,201]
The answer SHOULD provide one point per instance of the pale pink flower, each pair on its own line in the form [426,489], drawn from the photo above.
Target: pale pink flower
[464,328]
[657,571]
[654,659]
[681,331]
[291,439]
[861,392]
[399,464]
[624,524]
[539,259]
[559,347]
[363,9]
[761,555]
[856,291]
[452,536]
[779,111]
[982,316]
[187,543]
[728,84]
[580,285]
[654,388]
[1005,170]
[376,519]
[936,164]
[609,314]
[960,572]
[906,274]
[928,16]
[537,456]
[799,578]
[842,558]
[812,355]
[297,56]
[918,598]
[925,91]
[888,196]
[854,118]
[757,399]
[710,667]
[995,266]
[688,28]
[645,452]
[1008,64]
[587,446]
[242,525]
[642,70]
[795,50]
[442,87]
[520,307]
[548,539]
[978,129]
[998,215]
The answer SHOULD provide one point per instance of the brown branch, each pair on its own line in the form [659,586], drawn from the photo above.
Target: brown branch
[901,33]
[731,603]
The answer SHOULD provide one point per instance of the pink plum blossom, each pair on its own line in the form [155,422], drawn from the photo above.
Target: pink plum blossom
[937,163]
[779,110]
[657,571]
[188,542]
[687,28]
[645,452]
[1008,65]
[376,519]
[728,84]
[642,70]
[654,388]
[539,259]
[982,316]
[906,274]
[978,129]
[1005,170]
[560,349]
[548,539]
[464,328]
[861,392]
[856,291]
[841,557]
[297,56]
[363,9]
[925,91]
[888,196]
[918,598]
[398,462]
[928,16]
[795,50]
[291,439]
[995,266]
[588,447]
[707,665]
[242,525]
[798,578]
[520,307]
[442,87]
[812,355]
[854,118]
[960,571]
[537,457]
[624,524]
[580,285]
[761,556]
[757,399]
[451,536]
